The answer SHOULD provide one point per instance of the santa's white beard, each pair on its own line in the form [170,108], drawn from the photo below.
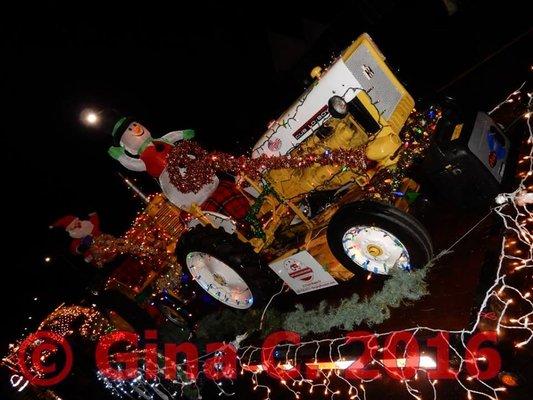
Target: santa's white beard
[83,230]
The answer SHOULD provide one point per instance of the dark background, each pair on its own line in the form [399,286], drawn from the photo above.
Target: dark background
[224,70]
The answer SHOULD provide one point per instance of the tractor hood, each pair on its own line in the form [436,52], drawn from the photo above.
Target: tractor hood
[309,112]
[360,72]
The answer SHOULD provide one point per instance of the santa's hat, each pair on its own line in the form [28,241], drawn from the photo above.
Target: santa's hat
[63,222]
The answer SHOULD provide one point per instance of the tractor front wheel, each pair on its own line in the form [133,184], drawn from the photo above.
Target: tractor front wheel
[378,238]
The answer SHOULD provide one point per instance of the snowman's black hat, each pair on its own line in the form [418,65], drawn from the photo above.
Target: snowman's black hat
[114,123]
[119,127]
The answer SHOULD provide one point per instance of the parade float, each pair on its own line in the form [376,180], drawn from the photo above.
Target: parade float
[324,195]
[324,199]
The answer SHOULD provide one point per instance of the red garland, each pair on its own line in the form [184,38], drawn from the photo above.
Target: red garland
[191,167]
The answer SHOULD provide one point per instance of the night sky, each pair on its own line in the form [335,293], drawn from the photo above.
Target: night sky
[222,70]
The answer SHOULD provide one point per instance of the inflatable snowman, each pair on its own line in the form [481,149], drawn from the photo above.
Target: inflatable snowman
[136,150]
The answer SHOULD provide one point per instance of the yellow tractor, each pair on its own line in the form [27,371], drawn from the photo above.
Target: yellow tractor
[354,103]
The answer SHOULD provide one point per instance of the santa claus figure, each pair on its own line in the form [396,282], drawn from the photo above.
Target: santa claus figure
[82,232]
[137,150]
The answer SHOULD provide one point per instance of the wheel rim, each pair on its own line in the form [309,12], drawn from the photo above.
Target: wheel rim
[219,280]
[375,249]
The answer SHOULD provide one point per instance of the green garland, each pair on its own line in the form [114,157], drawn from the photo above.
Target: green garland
[251,216]
[400,288]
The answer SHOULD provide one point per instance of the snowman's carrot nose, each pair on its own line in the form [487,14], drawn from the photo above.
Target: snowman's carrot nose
[137,129]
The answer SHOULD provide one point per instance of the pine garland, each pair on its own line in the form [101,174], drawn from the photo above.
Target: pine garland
[400,288]
[351,312]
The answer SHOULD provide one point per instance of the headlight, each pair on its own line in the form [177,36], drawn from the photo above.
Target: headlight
[338,108]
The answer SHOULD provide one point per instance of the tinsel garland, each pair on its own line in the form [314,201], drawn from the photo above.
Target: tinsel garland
[191,167]
[399,289]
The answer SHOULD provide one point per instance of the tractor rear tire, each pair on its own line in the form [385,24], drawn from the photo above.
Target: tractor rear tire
[224,253]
